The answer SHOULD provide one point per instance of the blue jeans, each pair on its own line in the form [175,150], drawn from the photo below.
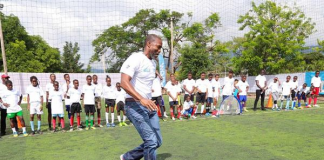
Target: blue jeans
[148,127]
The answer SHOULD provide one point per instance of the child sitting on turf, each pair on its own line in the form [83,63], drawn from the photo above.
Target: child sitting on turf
[301,95]
[188,108]
[286,91]
[274,89]
[57,106]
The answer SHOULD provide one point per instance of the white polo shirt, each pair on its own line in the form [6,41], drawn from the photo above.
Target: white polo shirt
[286,88]
[262,80]
[34,93]
[142,71]
[316,81]
[242,86]
[190,84]
[173,89]
[294,85]
[57,104]
[108,92]
[98,91]
[217,86]
[228,86]
[120,96]
[202,85]
[89,94]
[75,95]
[274,87]
[210,88]
[157,88]
[12,98]
[186,105]
[49,88]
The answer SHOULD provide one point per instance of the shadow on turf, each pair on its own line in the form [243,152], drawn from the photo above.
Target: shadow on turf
[164,156]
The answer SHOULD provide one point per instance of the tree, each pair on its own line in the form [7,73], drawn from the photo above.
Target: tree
[70,58]
[315,60]
[26,53]
[275,39]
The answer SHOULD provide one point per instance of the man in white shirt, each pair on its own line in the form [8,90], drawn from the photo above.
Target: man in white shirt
[228,87]
[157,94]
[286,92]
[189,87]
[216,90]
[98,94]
[210,93]
[49,88]
[243,87]
[261,83]
[294,87]
[88,96]
[202,91]
[316,83]
[66,86]
[274,89]
[137,75]
[3,88]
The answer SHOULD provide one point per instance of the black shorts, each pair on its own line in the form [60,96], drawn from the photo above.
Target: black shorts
[191,97]
[75,108]
[293,94]
[158,100]
[201,97]
[89,108]
[120,106]
[172,103]
[110,102]
[49,108]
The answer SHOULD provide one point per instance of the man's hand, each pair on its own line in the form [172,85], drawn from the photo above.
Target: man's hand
[6,105]
[149,104]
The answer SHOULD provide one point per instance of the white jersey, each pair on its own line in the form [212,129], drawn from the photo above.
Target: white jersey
[75,95]
[109,92]
[228,86]
[156,87]
[186,105]
[316,81]
[49,88]
[262,80]
[304,90]
[142,71]
[57,104]
[243,87]
[98,91]
[286,88]
[120,96]
[216,86]
[65,88]
[294,86]
[210,88]
[274,87]
[190,85]
[89,94]
[174,90]
[35,93]
[202,85]
[12,98]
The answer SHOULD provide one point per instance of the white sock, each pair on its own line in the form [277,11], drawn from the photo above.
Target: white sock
[13,130]
[112,117]
[276,105]
[202,109]
[124,118]
[24,129]
[118,117]
[107,116]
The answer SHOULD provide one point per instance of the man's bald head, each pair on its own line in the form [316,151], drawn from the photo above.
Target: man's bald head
[151,38]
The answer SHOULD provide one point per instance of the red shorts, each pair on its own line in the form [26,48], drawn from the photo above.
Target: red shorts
[316,91]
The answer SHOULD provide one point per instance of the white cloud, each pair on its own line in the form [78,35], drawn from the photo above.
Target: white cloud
[80,21]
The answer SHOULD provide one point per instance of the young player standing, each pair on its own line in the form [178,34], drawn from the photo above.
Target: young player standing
[173,92]
[57,106]
[216,90]
[120,99]
[88,96]
[74,95]
[49,88]
[35,103]
[110,101]
[228,87]
[202,92]
[65,87]
[286,92]
[243,87]
[189,87]
[294,87]
[274,89]
[157,94]
[316,83]
[261,83]
[98,94]
[210,95]
[9,99]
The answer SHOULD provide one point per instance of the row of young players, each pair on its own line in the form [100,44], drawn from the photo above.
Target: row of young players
[208,91]
[89,95]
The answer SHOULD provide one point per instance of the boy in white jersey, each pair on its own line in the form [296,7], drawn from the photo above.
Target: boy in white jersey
[173,92]
[74,95]
[216,90]
[210,93]
[157,94]
[274,89]
[286,92]
[228,87]
[317,84]
[301,95]
[57,106]
[49,88]
[189,108]
[243,87]
[120,99]
[65,87]
[97,98]
[35,103]
[294,90]
[202,92]
[109,93]
[88,96]
[189,87]
[9,99]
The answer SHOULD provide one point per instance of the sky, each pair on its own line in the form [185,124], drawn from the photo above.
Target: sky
[82,21]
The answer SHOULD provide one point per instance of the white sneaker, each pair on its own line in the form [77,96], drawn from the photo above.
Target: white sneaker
[100,125]
[213,116]
[194,117]
[165,116]
[173,118]
[316,105]
[121,157]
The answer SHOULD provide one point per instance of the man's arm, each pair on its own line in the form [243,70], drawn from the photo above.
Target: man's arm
[257,83]
[158,74]
[20,98]
[126,85]
[185,88]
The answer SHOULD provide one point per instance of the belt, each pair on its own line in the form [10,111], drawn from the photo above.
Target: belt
[130,100]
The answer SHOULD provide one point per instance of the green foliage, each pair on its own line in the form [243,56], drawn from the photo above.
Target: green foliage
[315,60]
[26,53]
[70,58]
[275,38]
